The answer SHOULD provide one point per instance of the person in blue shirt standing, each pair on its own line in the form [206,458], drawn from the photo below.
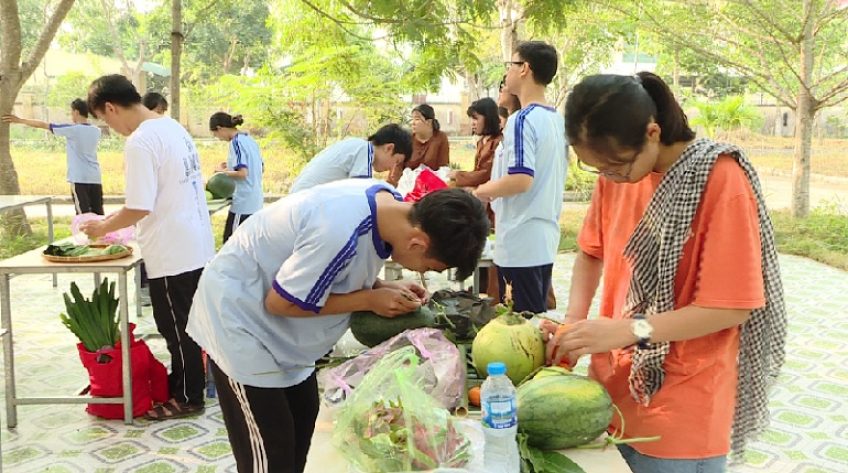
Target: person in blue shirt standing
[279,295]
[528,179]
[81,147]
[390,146]
[244,164]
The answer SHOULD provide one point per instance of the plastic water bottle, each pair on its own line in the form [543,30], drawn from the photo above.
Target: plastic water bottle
[500,421]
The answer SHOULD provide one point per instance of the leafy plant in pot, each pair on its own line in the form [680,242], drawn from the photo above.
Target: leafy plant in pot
[93,321]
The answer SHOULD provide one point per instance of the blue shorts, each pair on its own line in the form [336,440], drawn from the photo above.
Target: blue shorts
[640,463]
[529,287]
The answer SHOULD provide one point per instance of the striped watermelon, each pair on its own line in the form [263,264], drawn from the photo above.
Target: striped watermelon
[565,411]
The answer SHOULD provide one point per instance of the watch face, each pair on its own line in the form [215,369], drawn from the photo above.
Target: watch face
[642,329]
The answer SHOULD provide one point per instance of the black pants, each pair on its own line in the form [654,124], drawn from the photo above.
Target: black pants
[88,198]
[270,429]
[529,287]
[171,298]
[233,222]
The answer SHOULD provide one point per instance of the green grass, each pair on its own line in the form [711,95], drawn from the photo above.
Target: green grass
[11,246]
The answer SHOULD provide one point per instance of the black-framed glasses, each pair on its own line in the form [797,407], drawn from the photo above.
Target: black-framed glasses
[517,63]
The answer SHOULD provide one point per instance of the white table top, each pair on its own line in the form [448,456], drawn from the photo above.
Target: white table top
[33,262]
[325,458]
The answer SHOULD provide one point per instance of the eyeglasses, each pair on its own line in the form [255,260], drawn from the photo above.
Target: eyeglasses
[510,63]
[607,172]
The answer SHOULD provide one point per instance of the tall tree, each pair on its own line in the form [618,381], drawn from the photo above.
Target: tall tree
[176,56]
[794,51]
[14,72]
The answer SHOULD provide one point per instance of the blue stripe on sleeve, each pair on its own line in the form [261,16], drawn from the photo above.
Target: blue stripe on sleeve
[339,262]
[294,300]
[237,148]
[521,170]
[519,137]
[370,159]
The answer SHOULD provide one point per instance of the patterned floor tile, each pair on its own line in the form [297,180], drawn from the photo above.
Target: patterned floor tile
[809,432]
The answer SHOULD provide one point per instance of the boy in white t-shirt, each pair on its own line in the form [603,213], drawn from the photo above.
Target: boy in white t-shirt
[354,157]
[165,199]
[279,295]
[81,140]
[528,179]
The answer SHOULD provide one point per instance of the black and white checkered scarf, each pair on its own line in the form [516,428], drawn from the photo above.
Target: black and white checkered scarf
[654,251]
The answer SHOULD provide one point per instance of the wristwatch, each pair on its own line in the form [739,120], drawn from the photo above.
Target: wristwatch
[642,329]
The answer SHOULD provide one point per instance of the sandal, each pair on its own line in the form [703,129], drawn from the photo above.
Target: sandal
[173,409]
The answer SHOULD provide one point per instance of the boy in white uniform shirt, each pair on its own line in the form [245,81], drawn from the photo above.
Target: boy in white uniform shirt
[81,148]
[279,294]
[528,180]
[166,200]
[355,157]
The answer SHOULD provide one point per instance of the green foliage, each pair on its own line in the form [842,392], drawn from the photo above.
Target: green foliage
[68,87]
[729,114]
[822,236]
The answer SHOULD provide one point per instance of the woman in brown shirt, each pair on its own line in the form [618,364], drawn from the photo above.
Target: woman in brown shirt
[429,143]
[486,124]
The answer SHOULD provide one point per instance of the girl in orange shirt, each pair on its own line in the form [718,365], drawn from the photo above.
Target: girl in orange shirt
[692,325]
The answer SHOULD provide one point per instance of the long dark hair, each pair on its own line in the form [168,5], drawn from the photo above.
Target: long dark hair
[225,120]
[488,109]
[609,112]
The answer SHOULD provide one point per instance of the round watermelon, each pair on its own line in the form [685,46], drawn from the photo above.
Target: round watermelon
[221,186]
[562,411]
[371,329]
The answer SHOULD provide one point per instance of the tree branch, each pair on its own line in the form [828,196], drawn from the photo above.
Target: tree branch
[338,22]
[116,37]
[45,38]
[830,99]
[768,20]
[200,14]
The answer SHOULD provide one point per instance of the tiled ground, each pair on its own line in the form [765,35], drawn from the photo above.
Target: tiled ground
[809,432]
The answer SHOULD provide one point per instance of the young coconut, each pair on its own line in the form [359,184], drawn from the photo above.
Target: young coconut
[511,339]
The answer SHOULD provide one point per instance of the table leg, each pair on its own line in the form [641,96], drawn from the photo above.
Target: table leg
[476,282]
[124,310]
[8,351]
[96,279]
[137,274]
[50,236]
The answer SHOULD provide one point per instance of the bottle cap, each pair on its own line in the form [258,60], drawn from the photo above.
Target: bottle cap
[495,368]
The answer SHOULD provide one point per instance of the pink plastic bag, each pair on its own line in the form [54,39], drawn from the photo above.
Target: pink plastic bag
[442,369]
[118,237]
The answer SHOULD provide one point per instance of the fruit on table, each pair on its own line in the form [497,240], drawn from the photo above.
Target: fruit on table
[509,338]
[371,329]
[221,186]
[564,411]
[209,196]
[474,396]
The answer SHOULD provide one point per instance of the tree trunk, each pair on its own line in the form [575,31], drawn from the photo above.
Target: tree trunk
[13,74]
[176,55]
[475,88]
[510,17]
[804,116]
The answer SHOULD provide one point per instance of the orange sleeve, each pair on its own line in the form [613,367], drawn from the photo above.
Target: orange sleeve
[730,274]
[590,239]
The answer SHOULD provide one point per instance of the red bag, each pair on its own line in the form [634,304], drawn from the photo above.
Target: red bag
[426,182]
[149,378]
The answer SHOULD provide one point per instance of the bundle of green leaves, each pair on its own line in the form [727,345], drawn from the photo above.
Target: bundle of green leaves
[93,321]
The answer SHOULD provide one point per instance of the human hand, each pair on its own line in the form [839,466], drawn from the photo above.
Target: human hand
[10,119]
[391,301]
[222,166]
[94,229]
[585,337]
[416,289]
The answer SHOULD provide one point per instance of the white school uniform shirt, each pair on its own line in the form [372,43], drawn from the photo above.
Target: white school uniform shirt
[305,246]
[350,157]
[527,224]
[248,197]
[81,148]
[163,177]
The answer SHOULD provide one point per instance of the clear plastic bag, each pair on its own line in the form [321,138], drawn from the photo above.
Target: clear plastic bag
[441,371]
[390,424]
[118,237]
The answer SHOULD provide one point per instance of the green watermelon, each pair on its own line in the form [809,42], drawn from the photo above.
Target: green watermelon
[565,411]
[221,186]
[371,329]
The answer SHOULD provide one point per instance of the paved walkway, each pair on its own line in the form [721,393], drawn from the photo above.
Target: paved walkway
[809,432]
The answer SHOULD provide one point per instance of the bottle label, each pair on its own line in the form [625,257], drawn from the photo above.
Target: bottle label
[499,412]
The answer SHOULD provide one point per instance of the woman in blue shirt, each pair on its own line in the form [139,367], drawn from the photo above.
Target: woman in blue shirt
[244,164]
